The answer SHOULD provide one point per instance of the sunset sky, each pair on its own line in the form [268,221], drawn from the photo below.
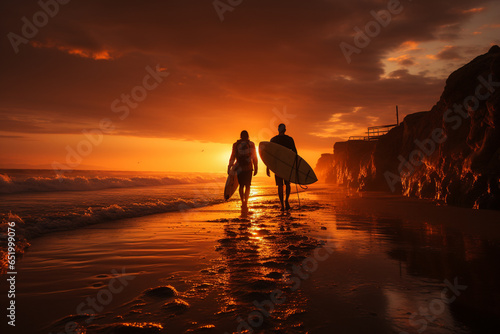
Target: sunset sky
[199,80]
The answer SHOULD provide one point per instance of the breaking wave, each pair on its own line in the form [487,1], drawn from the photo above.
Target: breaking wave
[28,228]
[12,185]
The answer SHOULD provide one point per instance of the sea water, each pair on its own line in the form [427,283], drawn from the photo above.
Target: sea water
[42,202]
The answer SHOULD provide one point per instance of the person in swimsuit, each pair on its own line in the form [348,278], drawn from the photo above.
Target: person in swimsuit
[244,158]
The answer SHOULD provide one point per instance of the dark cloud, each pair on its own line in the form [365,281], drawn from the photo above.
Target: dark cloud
[264,55]
[449,53]
[404,60]
[11,137]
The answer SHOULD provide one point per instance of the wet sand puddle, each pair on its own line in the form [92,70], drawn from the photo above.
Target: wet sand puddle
[260,269]
[252,285]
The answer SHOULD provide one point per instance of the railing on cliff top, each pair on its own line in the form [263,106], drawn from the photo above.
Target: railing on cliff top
[375,132]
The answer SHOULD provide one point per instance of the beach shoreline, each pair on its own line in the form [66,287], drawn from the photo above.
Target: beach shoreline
[222,265]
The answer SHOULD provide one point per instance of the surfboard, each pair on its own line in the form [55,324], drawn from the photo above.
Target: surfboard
[286,163]
[231,183]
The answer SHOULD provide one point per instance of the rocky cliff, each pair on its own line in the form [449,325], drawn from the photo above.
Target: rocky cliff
[450,153]
[324,169]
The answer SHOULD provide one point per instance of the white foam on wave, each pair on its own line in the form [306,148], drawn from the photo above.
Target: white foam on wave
[95,215]
[12,232]
[31,227]
[12,185]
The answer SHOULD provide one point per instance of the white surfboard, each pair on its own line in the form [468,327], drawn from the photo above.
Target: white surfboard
[231,183]
[286,163]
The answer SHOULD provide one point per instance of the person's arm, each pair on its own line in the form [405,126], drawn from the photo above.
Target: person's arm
[293,144]
[255,160]
[231,159]
[268,173]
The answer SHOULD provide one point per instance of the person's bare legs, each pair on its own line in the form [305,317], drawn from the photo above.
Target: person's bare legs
[288,190]
[247,194]
[242,195]
[280,195]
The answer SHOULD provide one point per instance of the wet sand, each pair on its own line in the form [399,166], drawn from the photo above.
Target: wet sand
[343,263]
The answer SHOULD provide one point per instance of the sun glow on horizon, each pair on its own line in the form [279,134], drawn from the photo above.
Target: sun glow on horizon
[125,153]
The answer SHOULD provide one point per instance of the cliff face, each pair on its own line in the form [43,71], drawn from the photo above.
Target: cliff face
[352,163]
[450,153]
[324,169]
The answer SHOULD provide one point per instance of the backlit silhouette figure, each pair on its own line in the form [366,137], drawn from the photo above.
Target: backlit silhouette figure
[245,156]
[288,142]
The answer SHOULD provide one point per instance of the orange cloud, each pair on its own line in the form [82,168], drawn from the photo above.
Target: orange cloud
[409,46]
[490,26]
[97,55]
[473,10]
[404,60]
[101,55]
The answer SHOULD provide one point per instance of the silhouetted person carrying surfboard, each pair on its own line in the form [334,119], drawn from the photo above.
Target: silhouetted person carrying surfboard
[286,141]
[246,161]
